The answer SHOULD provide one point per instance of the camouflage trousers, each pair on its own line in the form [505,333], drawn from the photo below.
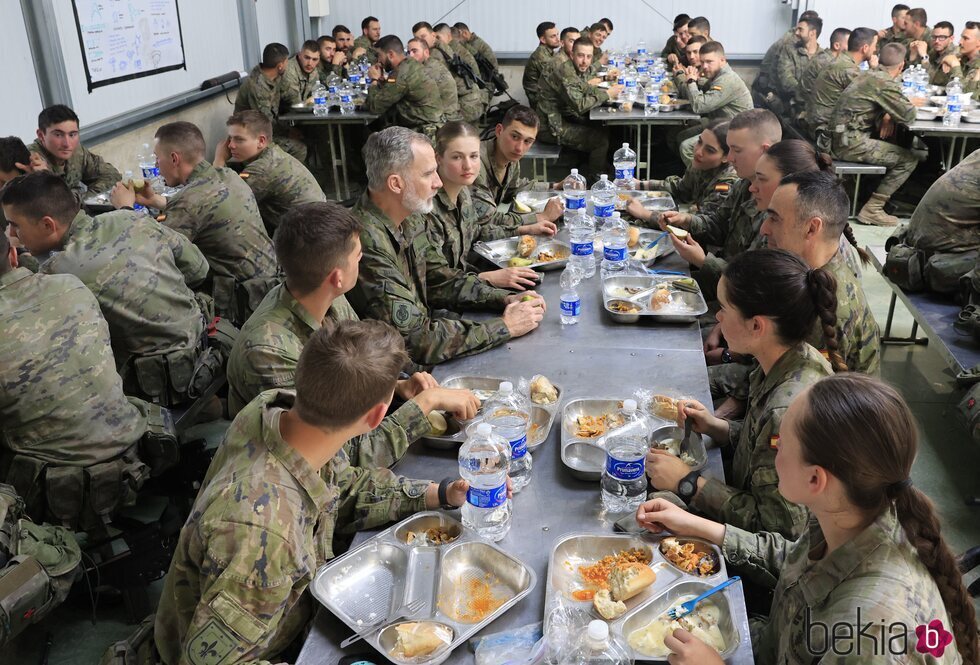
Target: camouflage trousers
[295,147]
[471,106]
[899,162]
[729,380]
[592,140]
[940,235]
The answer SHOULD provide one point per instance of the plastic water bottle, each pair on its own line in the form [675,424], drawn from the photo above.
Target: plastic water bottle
[629,85]
[615,238]
[510,416]
[346,100]
[954,105]
[597,646]
[333,85]
[320,106]
[864,66]
[908,82]
[571,304]
[624,162]
[652,95]
[921,82]
[581,235]
[624,482]
[147,163]
[603,194]
[574,187]
[128,178]
[641,49]
[484,459]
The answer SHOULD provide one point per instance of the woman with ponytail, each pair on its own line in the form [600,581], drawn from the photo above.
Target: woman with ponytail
[770,301]
[871,580]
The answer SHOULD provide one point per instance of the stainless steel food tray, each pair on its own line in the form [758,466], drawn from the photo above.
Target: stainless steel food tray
[584,457]
[574,550]
[499,252]
[536,200]
[542,415]
[372,583]
[664,246]
[683,307]
[693,445]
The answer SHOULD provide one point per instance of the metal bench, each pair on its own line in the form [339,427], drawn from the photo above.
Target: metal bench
[539,154]
[857,169]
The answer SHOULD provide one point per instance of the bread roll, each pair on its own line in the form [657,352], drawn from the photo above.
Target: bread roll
[420,639]
[680,234]
[664,407]
[634,237]
[526,245]
[543,391]
[608,608]
[628,579]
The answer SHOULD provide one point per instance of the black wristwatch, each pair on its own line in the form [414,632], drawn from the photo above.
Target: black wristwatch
[726,356]
[443,499]
[688,486]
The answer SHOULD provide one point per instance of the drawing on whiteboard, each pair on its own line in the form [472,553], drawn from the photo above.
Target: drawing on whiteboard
[139,38]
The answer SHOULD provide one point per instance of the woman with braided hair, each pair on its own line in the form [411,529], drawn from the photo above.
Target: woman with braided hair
[770,302]
[871,580]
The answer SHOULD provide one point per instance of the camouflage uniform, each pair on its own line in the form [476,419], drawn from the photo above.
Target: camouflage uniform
[467,92]
[893,35]
[261,525]
[265,356]
[477,46]
[724,96]
[413,98]
[258,93]
[926,37]
[936,74]
[537,66]
[365,43]
[82,168]
[703,189]
[296,86]
[801,98]
[491,192]
[217,211]
[790,66]
[452,229]
[327,69]
[142,274]
[278,181]
[484,95]
[403,280]
[971,75]
[437,72]
[564,101]
[765,82]
[62,406]
[854,123]
[878,572]
[733,225]
[752,500]
[858,335]
[947,218]
[826,91]
[671,48]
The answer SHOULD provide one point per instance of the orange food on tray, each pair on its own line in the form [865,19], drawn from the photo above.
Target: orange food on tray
[596,576]
[480,600]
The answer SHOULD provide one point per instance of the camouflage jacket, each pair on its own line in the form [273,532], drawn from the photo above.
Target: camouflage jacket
[790,66]
[827,89]
[858,335]
[766,79]
[493,195]
[258,93]
[891,35]
[671,48]
[564,95]
[936,74]
[819,62]
[466,90]
[436,70]
[971,76]
[878,572]
[365,43]
[82,168]
[863,103]
[702,189]
[265,356]
[752,500]
[278,181]
[724,96]
[403,280]
[413,96]
[62,401]
[537,66]
[452,228]
[217,211]
[947,218]
[142,273]
[296,86]
[733,225]
[477,46]
[926,37]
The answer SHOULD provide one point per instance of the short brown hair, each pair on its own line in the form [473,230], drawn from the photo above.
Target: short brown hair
[713,47]
[917,15]
[182,137]
[892,54]
[41,194]
[256,122]
[345,370]
[522,114]
[312,239]
[582,41]
[761,122]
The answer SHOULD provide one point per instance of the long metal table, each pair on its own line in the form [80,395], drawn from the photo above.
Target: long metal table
[595,358]
[643,124]
[962,132]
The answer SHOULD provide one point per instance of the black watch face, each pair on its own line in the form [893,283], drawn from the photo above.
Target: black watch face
[686,488]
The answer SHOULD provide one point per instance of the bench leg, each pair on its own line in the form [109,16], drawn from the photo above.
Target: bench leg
[887,338]
[854,204]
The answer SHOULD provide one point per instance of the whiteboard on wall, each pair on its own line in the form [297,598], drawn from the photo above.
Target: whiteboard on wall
[123,40]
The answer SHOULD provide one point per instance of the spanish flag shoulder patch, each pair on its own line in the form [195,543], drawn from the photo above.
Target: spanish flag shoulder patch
[774,442]
[161,218]
[244,175]
[826,354]
[723,187]
[716,87]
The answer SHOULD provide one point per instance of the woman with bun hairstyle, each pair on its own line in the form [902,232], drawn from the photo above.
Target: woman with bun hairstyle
[770,301]
[707,181]
[871,580]
[453,225]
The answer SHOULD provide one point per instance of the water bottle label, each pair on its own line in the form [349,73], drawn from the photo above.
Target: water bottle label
[345,99]
[490,498]
[621,80]
[641,51]
[604,210]
[614,253]
[623,470]
[582,248]
[574,202]
[150,172]
[624,174]
[642,69]
[138,208]
[571,307]
[630,83]
[317,101]
[652,98]
[332,90]
[518,449]
[355,78]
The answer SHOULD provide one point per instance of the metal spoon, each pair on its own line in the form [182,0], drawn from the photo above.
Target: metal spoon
[404,613]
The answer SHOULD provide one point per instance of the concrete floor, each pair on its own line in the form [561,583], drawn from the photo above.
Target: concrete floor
[946,470]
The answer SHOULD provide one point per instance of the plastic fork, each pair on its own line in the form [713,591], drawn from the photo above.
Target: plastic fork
[688,607]
[403,613]
[656,240]
[667,272]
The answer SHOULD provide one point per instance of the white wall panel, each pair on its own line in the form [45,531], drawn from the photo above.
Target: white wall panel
[18,115]
[877,13]
[274,22]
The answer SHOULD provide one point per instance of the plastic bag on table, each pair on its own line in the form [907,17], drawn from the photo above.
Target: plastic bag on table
[523,646]
[564,624]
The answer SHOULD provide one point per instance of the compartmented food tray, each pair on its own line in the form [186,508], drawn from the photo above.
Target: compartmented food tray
[535,200]
[663,248]
[542,415]
[566,585]
[631,297]
[463,584]
[549,254]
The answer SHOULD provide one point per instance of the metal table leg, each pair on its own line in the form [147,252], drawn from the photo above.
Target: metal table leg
[333,161]
[854,206]
[343,160]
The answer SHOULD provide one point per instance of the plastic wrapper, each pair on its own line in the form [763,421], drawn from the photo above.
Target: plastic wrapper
[420,641]
[565,624]
[523,646]
[542,390]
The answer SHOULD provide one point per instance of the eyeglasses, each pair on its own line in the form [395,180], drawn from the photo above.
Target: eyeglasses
[941,38]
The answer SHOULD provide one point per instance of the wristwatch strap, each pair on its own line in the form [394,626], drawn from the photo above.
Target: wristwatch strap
[443,499]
